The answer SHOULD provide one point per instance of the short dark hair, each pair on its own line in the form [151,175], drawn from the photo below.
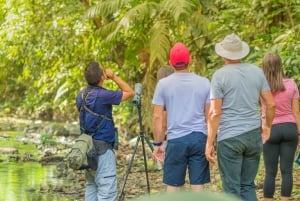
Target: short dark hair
[93,73]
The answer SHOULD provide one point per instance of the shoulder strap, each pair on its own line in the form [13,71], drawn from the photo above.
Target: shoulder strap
[84,107]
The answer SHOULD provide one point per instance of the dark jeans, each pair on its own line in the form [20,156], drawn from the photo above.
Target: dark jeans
[280,147]
[238,159]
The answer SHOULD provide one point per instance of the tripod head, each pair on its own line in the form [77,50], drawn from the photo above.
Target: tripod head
[138,94]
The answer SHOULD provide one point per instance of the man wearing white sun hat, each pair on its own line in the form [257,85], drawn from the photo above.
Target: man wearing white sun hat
[234,118]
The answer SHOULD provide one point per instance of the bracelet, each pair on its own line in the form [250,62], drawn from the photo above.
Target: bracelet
[157,144]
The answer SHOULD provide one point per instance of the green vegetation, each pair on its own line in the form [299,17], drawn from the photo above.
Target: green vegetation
[47,139]
[46,44]
[14,140]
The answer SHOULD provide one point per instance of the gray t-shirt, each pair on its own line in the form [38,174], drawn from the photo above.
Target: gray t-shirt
[239,86]
[184,96]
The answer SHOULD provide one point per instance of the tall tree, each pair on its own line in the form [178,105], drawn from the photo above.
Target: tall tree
[43,46]
[46,44]
[140,34]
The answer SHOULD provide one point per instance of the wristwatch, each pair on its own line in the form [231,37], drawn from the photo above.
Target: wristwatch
[157,144]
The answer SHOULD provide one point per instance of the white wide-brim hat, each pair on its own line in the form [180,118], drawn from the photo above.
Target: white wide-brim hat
[232,47]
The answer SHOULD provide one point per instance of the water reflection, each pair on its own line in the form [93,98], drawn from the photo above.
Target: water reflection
[22,182]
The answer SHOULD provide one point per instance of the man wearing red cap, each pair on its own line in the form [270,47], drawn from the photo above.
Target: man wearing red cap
[185,96]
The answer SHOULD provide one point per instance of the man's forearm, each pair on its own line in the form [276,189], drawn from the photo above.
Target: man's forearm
[270,113]
[268,98]
[122,84]
[158,134]
[213,124]
[214,117]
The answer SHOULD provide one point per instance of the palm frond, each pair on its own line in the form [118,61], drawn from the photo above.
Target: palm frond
[135,16]
[159,43]
[177,8]
[141,12]
[209,4]
[107,30]
[200,22]
[105,8]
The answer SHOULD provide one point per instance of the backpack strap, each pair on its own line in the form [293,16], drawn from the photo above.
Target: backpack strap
[84,107]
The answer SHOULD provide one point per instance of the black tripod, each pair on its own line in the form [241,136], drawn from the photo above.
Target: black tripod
[141,138]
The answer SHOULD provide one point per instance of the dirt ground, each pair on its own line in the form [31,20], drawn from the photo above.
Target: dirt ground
[136,183]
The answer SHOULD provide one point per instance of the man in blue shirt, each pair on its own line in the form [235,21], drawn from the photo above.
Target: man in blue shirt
[95,106]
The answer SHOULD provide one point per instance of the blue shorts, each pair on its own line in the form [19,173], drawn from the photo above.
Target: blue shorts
[186,152]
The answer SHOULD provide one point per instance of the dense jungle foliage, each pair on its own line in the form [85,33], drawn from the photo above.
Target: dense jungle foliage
[46,44]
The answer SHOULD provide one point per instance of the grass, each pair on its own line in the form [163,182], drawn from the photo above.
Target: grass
[13,140]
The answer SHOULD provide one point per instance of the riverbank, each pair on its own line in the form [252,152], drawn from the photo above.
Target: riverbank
[47,143]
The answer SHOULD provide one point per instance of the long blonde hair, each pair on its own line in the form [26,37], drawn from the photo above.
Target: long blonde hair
[272,67]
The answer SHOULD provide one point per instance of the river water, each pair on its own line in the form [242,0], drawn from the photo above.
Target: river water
[23,181]
[27,181]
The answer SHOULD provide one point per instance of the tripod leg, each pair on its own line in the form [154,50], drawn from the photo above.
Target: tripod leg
[149,143]
[145,164]
[121,196]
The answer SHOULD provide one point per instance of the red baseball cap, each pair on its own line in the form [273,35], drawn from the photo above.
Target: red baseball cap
[179,56]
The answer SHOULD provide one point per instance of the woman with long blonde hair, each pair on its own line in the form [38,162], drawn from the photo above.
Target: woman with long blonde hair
[282,144]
